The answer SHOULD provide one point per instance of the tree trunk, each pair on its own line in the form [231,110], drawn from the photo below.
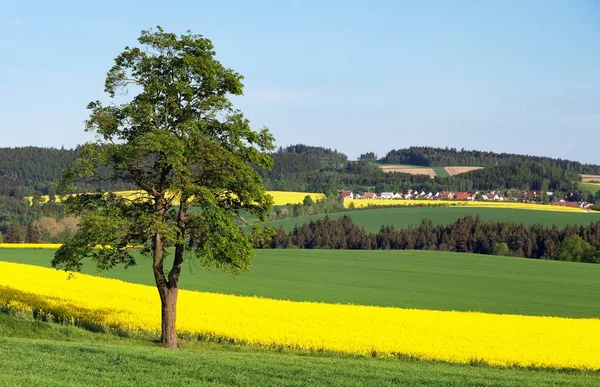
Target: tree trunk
[168,317]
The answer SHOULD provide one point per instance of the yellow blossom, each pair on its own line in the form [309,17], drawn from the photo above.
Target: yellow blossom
[427,334]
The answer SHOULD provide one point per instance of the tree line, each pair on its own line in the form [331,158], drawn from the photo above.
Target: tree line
[441,157]
[468,234]
[30,170]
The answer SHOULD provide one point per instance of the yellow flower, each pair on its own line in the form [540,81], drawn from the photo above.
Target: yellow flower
[358,203]
[450,336]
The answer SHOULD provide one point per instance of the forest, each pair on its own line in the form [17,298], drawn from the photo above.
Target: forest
[441,157]
[323,170]
[31,170]
[468,234]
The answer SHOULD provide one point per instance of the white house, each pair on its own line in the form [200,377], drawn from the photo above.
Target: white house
[387,195]
[347,194]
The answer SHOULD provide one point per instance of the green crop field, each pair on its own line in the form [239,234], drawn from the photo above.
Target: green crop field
[402,217]
[36,353]
[440,171]
[591,187]
[409,279]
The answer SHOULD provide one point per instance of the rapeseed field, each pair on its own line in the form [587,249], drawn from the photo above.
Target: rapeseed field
[280,198]
[358,203]
[50,246]
[461,337]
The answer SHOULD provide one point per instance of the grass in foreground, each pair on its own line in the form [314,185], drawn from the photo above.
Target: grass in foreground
[49,356]
[408,279]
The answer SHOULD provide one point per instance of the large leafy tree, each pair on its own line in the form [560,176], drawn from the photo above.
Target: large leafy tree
[192,155]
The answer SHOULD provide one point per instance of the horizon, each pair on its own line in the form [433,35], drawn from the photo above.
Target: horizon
[379,157]
[520,78]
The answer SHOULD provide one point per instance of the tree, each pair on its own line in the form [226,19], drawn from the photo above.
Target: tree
[181,142]
[501,249]
[14,234]
[369,156]
[308,201]
[34,233]
[575,249]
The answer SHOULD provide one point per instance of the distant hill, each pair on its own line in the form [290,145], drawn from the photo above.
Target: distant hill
[29,170]
[441,157]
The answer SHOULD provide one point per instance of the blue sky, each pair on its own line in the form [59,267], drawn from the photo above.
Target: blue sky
[507,76]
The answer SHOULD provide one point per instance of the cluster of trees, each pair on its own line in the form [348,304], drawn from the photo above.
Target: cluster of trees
[441,157]
[469,234]
[304,168]
[331,203]
[43,230]
[30,170]
[22,221]
[524,174]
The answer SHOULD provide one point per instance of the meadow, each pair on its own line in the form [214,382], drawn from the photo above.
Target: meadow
[590,187]
[402,217]
[37,353]
[406,279]
[360,203]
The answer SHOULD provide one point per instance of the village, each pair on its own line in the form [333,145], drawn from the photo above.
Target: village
[565,199]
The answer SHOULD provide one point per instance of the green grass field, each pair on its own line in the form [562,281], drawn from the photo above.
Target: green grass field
[591,187]
[409,279]
[44,354]
[402,217]
[440,171]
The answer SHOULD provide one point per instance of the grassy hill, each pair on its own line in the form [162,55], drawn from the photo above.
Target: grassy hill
[40,354]
[373,219]
[410,279]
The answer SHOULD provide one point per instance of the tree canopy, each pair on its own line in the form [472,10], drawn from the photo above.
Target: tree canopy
[180,140]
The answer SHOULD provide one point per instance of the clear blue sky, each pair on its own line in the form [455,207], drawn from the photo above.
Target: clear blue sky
[513,76]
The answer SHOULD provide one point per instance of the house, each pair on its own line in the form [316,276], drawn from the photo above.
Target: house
[493,196]
[446,195]
[429,195]
[347,194]
[530,194]
[387,195]
[408,196]
[462,196]
[368,195]
[397,195]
